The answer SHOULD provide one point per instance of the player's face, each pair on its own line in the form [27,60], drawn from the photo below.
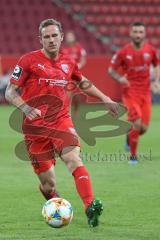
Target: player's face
[137,34]
[70,37]
[51,39]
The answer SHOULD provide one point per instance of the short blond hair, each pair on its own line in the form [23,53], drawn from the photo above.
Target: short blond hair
[48,22]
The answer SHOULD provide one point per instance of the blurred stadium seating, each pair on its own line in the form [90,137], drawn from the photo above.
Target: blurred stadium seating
[20,20]
[110,18]
[100,25]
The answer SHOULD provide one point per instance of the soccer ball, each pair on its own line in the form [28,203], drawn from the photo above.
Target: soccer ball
[57,212]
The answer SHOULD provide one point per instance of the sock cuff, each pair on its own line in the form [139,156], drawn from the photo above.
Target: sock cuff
[79,171]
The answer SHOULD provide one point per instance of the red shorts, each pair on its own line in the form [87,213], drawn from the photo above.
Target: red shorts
[43,142]
[138,106]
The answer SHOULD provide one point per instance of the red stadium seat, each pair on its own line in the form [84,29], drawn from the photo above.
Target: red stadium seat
[110,19]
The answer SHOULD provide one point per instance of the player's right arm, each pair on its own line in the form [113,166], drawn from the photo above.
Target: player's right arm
[19,76]
[116,62]
[13,97]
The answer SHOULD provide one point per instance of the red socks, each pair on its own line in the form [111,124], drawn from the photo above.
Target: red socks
[48,195]
[133,137]
[83,185]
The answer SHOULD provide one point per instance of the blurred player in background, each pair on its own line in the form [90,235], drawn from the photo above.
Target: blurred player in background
[135,60]
[74,50]
[4,79]
[42,75]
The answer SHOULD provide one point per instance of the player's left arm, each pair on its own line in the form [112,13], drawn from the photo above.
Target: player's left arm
[88,87]
[91,90]
[156,84]
[82,61]
[157,74]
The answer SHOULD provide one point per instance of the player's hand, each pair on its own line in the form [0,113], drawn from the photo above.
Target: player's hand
[155,87]
[112,106]
[123,80]
[30,112]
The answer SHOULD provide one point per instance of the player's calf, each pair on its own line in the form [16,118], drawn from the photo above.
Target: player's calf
[143,130]
[48,195]
[126,146]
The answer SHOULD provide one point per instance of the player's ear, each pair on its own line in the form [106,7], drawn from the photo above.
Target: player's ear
[40,39]
[62,36]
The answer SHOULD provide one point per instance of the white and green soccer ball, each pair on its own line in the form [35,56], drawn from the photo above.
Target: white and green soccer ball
[57,212]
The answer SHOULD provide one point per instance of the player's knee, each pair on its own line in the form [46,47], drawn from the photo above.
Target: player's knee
[72,160]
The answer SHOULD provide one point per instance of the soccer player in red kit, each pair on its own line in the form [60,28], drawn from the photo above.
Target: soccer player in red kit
[42,77]
[74,49]
[135,60]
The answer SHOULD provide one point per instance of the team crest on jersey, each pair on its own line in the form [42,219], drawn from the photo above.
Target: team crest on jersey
[17,72]
[65,67]
[146,56]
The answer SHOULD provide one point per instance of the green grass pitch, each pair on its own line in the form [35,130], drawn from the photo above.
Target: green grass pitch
[130,194]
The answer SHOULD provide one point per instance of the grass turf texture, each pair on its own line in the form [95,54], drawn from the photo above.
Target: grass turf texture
[130,194]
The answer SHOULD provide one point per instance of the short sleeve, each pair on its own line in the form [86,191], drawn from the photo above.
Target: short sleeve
[117,60]
[21,71]
[76,74]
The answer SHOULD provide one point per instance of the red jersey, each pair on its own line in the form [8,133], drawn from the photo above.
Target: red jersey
[136,64]
[74,52]
[37,75]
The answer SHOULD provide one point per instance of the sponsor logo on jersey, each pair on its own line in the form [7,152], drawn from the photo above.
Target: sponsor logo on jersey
[146,56]
[54,82]
[65,67]
[41,66]
[17,72]
[140,68]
